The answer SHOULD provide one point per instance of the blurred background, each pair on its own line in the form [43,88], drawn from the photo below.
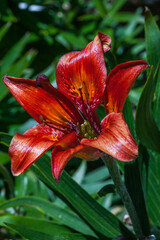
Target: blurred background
[33,37]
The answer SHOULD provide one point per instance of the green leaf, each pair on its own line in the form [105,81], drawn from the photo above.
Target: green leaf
[94,188]
[96,175]
[133,176]
[111,59]
[117,4]
[64,216]
[4,30]
[138,48]
[99,218]
[88,17]
[21,185]
[134,95]
[74,40]
[128,115]
[14,53]
[152,36]
[34,228]
[88,28]
[153,198]
[110,188]
[5,139]
[156,98]
[4,158]
[36,187]
[146,127]
[7,178]
[100,6]
[80,172]
[132,180]
[19,67]
[60,39]
[128,17]
[111,18]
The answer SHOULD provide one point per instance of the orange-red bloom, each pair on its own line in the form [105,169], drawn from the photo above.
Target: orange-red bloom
[67,116]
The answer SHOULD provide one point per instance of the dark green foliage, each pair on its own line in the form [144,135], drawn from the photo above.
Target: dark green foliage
[32,205]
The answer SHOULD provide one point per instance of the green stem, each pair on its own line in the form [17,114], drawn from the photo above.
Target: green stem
[111,164]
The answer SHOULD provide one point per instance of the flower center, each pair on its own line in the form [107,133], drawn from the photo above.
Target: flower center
[86,130]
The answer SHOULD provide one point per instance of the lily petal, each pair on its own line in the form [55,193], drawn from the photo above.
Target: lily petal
[119,82]
[82,75]
[115,138]
[52,107]
[60,158]
[68,141]
[27,148]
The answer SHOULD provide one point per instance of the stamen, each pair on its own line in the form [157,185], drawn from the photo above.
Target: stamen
[83,127]
[86,135]
[86,130]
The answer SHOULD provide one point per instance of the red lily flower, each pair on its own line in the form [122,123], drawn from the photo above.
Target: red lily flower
[83,84]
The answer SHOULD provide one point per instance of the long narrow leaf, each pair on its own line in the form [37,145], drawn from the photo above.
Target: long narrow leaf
[63,216]
[5,139]
[38,229]
[133,177]
[18,68]
[14,52]
[4,30]
[152,36]
[117,4]
[154,188]
[101,220]
[146,127]
[100,6]
[12,55]
[7,178]
[156,100]
[4,158]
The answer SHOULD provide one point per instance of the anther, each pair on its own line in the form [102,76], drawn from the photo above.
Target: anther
[83,128]
[86,135]
[85,123]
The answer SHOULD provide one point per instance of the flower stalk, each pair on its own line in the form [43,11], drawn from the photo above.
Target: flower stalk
[111,164]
